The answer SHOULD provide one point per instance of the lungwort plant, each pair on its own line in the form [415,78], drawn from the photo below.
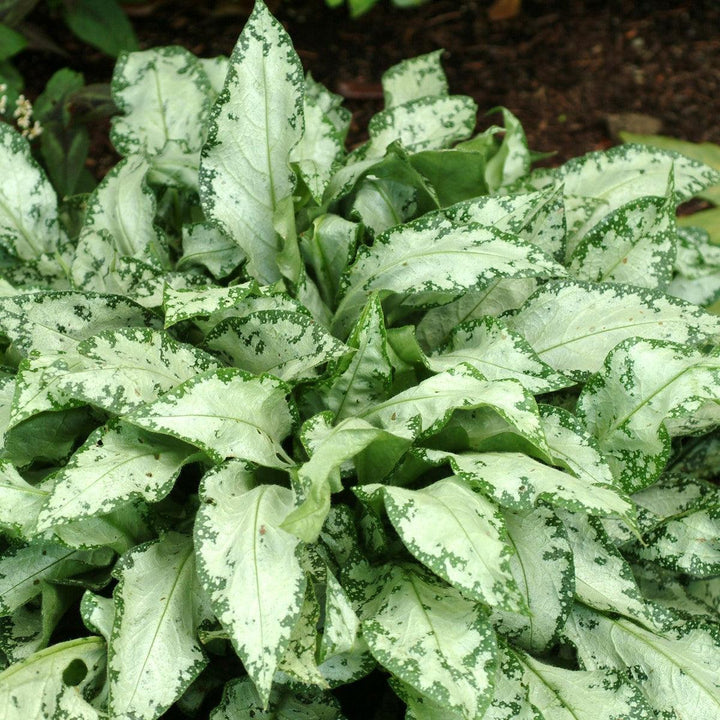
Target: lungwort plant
[278,418]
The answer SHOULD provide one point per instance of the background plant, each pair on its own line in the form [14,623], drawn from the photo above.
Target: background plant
[281,418]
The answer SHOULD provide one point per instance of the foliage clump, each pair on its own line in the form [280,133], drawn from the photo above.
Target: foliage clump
[278,417]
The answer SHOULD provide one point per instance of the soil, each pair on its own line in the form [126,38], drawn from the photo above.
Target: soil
[566,69]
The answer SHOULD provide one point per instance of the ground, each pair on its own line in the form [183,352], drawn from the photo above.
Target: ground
[566,69]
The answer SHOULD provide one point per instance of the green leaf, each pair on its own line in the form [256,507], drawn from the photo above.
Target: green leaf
[435,640]
[677,670]
[498,353]
[163,95]
[226,413]
[289,345]
[647,392]
[413,79]
[248,568]
[635,245]
[28,206]
[101,23]
[34,687]
[245,177]
[572,326]
[117,464]
[11,42]
[153,653]
[328,249]
[421,260]
[460,536]
[542,566]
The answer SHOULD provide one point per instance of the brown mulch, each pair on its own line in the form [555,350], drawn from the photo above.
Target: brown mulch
[563,68]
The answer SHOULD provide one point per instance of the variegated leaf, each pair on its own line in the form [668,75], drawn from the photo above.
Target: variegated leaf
[518,482]
[98,613]
[542,566]
[28,206]
[163,95]
[190,303]
[248,567]
[153,653]
[227,413]
[676,670]
[34,687]
[427,123]
[119,222]
[413,79]
[55,322]
[644,387]
[206,246]
[496,298]
[434,640]
[421,260]
[125,368]
[603,578]
[563,694]
[328,248]
[117,464]
[572,326]
[425,409]
[536,217]
[460,536]
[24,568]
[512,159]
[240,701]
[245,177]
[319,150]
[20,502]
[320,475]
[288,345]
[620,175]
[635,245]
[498,353]
[364,378]
[689,543]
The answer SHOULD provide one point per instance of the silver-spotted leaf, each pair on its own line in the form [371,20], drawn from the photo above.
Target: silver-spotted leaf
[646,392]
[245,176]
[460,536]
[227,413]
[28,206]
[435,640]
[117,464]
[248,567]
[154,653]
[542,565]
[34,687]
[572,326]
